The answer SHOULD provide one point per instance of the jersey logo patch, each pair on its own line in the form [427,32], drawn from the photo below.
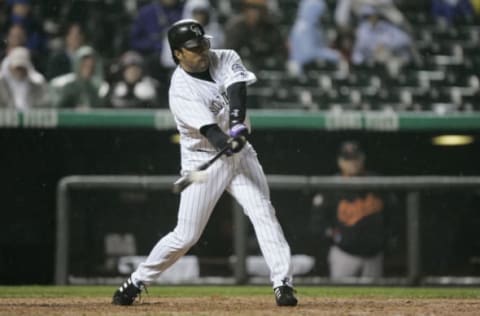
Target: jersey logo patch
[238,68]
[216,106]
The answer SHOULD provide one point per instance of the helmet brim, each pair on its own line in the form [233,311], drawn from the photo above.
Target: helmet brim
[196,42]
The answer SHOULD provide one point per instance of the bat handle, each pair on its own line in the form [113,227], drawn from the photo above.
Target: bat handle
[209,162]
[185,181]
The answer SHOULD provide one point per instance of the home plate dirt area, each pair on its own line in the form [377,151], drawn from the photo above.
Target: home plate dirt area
[242,305]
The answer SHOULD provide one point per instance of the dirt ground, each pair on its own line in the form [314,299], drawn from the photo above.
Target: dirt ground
[258,305]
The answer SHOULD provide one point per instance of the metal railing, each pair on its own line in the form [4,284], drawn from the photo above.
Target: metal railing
[412,185]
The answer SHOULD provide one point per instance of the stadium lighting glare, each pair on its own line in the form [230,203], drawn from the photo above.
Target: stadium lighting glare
[453,140]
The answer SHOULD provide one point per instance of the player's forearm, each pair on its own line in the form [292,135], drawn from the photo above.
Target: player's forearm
[237,96]
[215,135]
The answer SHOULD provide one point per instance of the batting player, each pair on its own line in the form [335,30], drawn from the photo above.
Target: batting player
[208,100]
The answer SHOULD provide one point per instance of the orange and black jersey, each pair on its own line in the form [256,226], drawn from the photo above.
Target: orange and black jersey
[355,221]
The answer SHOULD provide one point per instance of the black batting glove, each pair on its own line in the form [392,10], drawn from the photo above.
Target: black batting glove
[238,138]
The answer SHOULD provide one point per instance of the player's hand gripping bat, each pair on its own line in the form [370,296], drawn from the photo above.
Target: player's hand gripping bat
[199,174]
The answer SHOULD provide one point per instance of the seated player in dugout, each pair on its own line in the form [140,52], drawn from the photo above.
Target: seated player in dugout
[354,227]
[207,97]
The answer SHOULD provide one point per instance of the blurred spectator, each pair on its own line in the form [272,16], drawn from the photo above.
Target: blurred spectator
[255,35]
[343,43]
[379,41]
[135,89]
[21,86]
[205,14]
[107,23]
[201,11]
[354,223]
[307,41]
[149,28]
[84,88]
[60,62]
[348,13]
[21,13]
[230,7]
[449,10]
[16,37]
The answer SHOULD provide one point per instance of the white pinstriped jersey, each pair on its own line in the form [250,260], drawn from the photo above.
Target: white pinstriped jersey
[195,102]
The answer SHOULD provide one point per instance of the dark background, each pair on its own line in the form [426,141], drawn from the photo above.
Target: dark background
[33,161]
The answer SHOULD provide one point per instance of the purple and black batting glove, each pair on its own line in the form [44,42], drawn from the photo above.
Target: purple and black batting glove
[238,130]
[238,134]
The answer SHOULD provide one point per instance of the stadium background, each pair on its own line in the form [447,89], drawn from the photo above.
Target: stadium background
[34,158]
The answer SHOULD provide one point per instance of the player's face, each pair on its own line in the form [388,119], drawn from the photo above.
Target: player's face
[195,59]
[351,167]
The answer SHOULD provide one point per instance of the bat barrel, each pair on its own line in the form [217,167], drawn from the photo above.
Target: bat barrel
[181,184]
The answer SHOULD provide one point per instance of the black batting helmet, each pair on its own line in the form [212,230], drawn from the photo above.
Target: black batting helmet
[186,33]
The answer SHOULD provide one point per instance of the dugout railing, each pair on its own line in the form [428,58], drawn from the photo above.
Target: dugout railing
[413,186]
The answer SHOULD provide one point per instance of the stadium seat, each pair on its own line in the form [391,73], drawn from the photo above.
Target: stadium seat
[446,79]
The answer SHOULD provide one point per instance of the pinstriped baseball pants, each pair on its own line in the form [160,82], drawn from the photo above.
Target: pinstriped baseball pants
[243,177]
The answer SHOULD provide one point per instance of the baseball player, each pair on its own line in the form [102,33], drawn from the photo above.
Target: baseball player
[207,97]
[356,224]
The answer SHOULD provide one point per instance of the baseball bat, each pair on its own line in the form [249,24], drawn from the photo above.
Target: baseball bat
[196,175]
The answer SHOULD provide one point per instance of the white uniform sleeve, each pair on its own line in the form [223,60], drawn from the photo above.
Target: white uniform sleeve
[236,71]
[342,13]
[191,112]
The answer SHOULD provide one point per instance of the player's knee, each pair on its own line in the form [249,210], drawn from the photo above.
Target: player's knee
[189,241]
[185,241]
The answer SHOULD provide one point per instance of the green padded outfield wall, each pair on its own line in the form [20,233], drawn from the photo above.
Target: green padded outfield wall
[261,119]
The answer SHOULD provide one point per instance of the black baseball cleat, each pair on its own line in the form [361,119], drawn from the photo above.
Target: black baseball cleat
[127,293]
[284,295]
